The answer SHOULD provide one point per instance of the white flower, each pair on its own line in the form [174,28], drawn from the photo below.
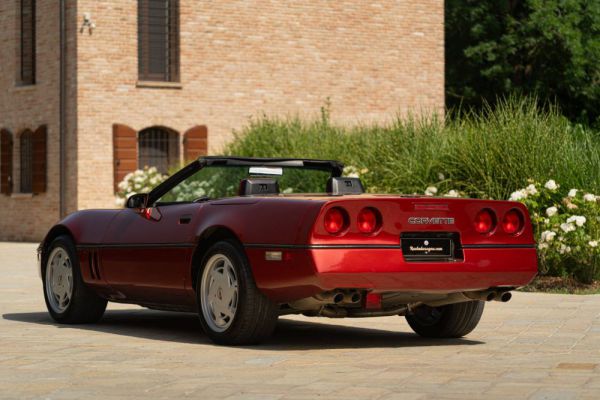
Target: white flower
[351,172]
[589,197]
[518,195]
[288,190]
[564,249]
[430,191]
[531,190]
[593,243]
[548,236]
[452,193]
[550,211]
[543,246]
[579,220]
[441,176]
[567,227]
[551,185]
[572,193]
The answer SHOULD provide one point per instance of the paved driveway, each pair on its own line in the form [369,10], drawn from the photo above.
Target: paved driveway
[536,346]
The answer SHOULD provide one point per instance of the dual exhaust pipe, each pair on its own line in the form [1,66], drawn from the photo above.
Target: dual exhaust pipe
[336,297]
[340,297]
[490,295]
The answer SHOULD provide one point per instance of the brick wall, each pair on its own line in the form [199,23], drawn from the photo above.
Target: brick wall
[372,59]
[26,216]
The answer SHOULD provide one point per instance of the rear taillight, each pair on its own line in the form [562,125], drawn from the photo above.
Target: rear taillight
[513,222]
[336,220]
[369,220]
[485,221]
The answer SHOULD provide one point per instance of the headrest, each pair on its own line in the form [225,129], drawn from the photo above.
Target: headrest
[258,186]
[342,185]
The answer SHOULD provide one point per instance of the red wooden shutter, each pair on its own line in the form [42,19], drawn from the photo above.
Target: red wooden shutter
[195,142]
[39,160]
[6,149]
[125,152]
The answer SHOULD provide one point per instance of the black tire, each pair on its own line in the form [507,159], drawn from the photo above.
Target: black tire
[85,306]
[255,317]
[450,321]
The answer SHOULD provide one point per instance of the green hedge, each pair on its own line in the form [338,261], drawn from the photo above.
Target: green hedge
[487,155]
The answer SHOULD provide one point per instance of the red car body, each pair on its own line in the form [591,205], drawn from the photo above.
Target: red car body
[151,256]
[128,257]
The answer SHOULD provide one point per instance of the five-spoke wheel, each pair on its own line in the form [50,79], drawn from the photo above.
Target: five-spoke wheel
[232,310]
[219,292]
[67,297]
[59,278]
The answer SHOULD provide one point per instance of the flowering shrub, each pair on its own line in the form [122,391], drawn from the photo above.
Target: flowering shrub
[192,189]
[139,181]
[567,227]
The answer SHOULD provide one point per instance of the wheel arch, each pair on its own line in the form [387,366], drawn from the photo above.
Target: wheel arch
[55,231]
[206,239]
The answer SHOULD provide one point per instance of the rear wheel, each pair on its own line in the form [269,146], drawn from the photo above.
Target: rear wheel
[68,299]
[232,309]
[449,321]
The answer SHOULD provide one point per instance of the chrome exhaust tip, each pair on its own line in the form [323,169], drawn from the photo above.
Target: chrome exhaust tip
[506,296]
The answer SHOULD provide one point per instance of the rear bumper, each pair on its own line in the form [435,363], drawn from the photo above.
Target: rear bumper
[303,272]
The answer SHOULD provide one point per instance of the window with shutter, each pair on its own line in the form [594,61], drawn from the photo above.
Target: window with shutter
[195,143]
[158,147]
[125,152]
[39,151]
[27,43]
[158,40]
[6,154]
[26,161]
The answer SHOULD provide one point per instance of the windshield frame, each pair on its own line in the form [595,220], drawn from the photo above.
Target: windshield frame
[335,169]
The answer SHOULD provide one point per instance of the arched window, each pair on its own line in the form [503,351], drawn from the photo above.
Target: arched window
[26,161]
[158,147]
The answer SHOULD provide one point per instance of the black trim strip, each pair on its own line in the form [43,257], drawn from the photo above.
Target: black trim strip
[498,246]
[133,245]
[320,246]
[377,246]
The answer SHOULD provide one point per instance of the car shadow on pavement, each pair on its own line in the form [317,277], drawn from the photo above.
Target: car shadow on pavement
[289,334]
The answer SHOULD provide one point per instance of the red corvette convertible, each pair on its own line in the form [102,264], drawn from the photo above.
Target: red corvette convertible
[240,242]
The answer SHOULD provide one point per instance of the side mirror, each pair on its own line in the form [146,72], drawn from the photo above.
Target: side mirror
[138,200]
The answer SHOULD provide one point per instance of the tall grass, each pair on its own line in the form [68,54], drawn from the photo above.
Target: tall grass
[486,155]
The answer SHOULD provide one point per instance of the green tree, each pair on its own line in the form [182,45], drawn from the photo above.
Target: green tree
[546,48]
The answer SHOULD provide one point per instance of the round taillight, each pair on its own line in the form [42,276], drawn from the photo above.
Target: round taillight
[485,221]
[336,220]
[513,222]
[369,220]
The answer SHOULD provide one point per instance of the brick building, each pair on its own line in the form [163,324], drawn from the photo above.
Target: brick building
[91,89]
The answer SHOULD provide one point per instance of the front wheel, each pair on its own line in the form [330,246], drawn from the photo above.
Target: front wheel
[232,309]
[449,321]
[68,299]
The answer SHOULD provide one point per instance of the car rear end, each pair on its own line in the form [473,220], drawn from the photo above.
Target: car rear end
[395,250]
[422,244]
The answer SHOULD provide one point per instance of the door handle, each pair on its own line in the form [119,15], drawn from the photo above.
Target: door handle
[185,219]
